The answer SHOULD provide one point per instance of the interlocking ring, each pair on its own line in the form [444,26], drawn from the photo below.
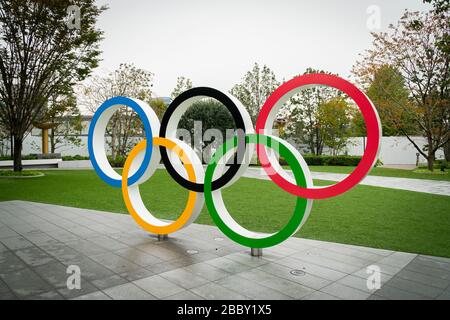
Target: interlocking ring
[284,93]
[172,117]
[185,167]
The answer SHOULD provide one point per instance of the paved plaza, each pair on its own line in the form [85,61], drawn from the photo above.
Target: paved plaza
[118,260]
[418,185]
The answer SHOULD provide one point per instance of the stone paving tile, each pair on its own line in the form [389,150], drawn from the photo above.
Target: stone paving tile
[138,257]
[318,295]
[444,295]
[115,262]
[184,296]
[86,247]
[393,293]
[63,235]
[16,243]
[54,273]
[38,238]
[344,292]
[136,274]
[326,262]
[246,259]
[347,259]
[415,287]
[109,282]
[33,256]
[90,269]
[377,297]
[25,283]
[8,296]
[207,271]
[123,261]
[214,291]
[158,251]
[357,283]
[96,295]
[162,267]
[108,243]
[312,269]
[158,286]
[387,271]
[287,287]
[433,263]
[60,251]
[307,280]
[5,292]
[251,289]
[128,291]
[50,295]
[424,279]
[398,259]
[6,232]
[9,262]
[184,278]
[228,265]
[428,271]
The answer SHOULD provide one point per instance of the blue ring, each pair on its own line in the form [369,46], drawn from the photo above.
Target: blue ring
[148,135]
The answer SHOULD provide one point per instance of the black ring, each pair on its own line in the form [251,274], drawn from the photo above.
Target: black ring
[235,113]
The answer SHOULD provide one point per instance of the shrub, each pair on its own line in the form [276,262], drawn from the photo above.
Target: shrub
[118,162]
[24,157]
[76,157]
[344,161]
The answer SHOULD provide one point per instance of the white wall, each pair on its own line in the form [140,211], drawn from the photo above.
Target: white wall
[394,150]
[32,144]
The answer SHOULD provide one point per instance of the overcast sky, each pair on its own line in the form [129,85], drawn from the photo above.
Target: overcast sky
[215,42]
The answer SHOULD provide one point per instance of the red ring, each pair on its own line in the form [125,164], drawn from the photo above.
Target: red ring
[371,120]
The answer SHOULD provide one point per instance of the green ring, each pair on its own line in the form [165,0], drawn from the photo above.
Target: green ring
[300,208]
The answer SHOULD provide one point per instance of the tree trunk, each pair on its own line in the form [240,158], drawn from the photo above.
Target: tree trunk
[17,154]
[52,142]
[430,160]
[11,145]
[430,163]
[446,148]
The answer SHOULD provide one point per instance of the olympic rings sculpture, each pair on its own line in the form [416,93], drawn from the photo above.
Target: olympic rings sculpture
[205,187]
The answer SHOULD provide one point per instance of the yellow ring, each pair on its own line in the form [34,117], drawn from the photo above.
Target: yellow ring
[188,210]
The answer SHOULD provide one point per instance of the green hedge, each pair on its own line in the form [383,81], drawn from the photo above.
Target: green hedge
[118,162]
[76,157]
[24,157]
[342,161]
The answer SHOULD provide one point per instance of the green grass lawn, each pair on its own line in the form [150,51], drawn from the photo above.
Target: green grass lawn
[388,172]
[369,216]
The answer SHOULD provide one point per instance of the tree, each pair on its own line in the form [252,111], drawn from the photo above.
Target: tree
[64,114]
[211,115]
[128,81]
[182,85]
[442,7]
[333,121]
[159,106]
[4,137]
[415,47]
[302,114]
[390,96]
[256,86]
[40,56]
